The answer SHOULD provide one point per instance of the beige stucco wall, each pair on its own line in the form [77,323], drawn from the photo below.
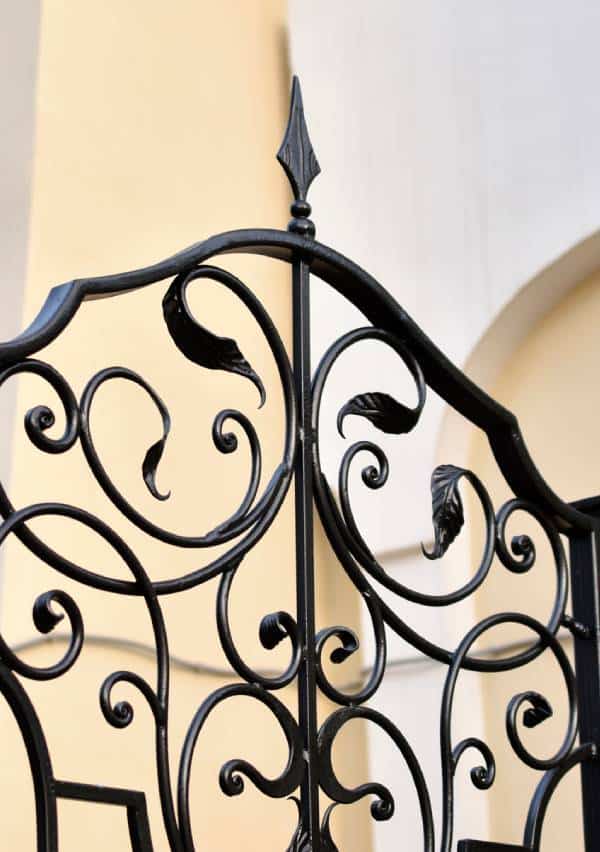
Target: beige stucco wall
[157,126]
[550,383]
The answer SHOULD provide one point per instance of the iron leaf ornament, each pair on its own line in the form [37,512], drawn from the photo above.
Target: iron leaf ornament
[301,841]
[448,515]
[200,345]
[327,843]
[154,455]
[382,410]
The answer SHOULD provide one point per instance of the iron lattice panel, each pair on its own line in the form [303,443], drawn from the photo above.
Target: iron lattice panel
[309,767]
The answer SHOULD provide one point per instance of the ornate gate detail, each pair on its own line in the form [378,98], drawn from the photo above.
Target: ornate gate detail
[309,766]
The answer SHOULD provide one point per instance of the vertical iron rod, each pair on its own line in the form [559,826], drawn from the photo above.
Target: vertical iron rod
[305,581]
[585,595]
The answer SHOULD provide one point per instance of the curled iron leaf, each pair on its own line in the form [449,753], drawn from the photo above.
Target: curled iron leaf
[300,841]
[384,412]
[327,844]
[197,343]
[448,515]
[154,455]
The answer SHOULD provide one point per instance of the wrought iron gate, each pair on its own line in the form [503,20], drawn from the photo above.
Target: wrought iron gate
[309,767]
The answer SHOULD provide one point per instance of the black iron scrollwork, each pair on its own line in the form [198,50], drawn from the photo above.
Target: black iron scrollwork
[310,739]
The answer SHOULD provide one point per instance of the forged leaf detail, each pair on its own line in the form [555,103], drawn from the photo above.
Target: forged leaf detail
[300,841]
[448,515]
[200,345]
[382,410]
[327,844]
[154,454]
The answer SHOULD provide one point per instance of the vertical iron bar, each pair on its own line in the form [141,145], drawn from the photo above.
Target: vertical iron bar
[585,596]
[305,581]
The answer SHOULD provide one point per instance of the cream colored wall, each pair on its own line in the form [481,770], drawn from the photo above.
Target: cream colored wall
[550,384]
[157,126]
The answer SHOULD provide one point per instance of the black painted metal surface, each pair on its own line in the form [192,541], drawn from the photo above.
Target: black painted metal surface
[310,740]
[483,846]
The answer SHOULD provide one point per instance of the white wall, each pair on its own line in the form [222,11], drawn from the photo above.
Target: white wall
[459,146]
[18,72]
[18,76]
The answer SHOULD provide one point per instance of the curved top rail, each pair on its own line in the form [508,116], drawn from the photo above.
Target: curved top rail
[365,293]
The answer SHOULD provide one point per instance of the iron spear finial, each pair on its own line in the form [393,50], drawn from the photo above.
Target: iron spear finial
[298,159]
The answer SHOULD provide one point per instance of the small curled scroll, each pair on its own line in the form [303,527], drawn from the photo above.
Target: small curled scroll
[230,776]
[41,418]
[121,714]
[383,806]
[481,776]
[521,555]
[373,476]
[349,644]
[537,709]
[273,629]
[227,442]
[45,619]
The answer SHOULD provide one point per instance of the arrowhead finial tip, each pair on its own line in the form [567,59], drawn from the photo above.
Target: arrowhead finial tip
[298,159]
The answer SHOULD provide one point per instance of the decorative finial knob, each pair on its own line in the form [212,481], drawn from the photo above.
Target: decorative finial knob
[299,162]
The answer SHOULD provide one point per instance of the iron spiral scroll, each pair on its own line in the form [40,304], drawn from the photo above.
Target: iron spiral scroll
[309,768]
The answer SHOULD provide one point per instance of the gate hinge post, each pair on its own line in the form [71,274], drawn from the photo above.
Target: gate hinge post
[584,548]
